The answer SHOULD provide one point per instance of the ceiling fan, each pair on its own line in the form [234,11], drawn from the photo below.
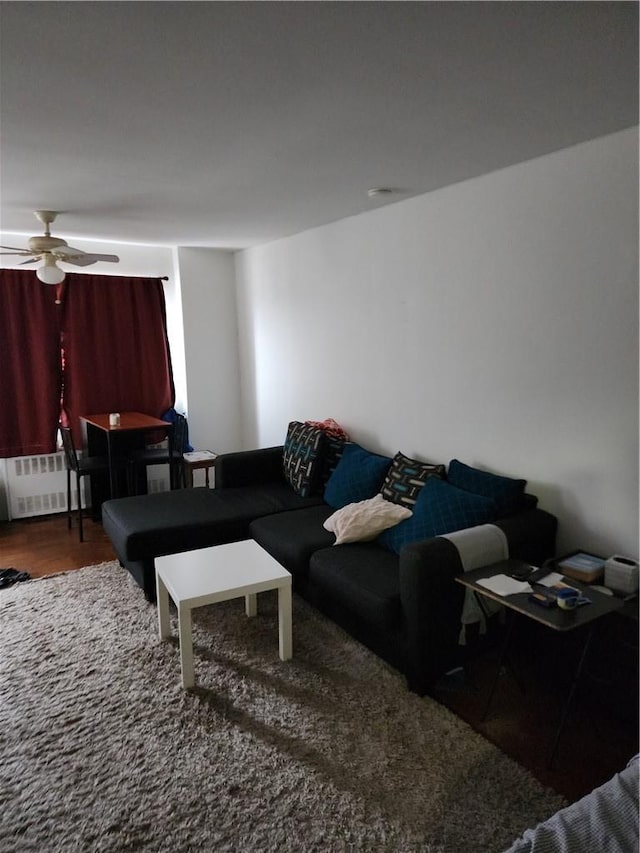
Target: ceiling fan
[50,250]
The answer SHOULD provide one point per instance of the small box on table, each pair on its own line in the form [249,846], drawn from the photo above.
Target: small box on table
[581,566]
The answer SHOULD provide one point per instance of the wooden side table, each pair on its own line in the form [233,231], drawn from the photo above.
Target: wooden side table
[194,460]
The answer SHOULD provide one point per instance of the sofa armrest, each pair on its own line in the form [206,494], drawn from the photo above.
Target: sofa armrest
[249,468]
[432,604]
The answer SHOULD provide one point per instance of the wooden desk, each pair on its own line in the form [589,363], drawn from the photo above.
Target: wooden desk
[553,618]
[126,436]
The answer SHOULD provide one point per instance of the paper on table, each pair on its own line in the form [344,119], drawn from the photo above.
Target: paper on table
[504,585]
[199,455]
[551,579]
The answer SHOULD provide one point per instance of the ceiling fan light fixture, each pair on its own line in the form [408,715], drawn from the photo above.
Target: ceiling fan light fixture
[50,273]
[50,249]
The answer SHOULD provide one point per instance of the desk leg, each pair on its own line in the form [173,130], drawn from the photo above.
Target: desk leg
[503,654]
[285,631]
[112,490]
[173,467]
[251,605]
[186,646]
[572,690]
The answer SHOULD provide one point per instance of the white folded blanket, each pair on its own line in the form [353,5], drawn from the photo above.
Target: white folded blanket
[478,546]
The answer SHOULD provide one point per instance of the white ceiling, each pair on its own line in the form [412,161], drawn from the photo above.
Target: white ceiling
[231,124]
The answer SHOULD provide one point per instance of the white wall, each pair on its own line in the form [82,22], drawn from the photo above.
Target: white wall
[495,321]
[207,278]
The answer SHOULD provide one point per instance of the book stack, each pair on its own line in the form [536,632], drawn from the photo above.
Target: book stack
[581,566]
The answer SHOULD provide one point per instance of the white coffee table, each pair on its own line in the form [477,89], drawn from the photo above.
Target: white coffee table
[209,575]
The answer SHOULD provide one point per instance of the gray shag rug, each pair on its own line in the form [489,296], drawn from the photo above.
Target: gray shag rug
[101,749]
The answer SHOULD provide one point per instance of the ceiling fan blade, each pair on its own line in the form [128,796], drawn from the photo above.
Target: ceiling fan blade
[63,251]
[77,260]
[70,255]
[85,259]
[32,260]
[15,251]
[112,259]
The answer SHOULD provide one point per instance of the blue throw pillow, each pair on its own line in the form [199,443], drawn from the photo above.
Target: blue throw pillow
[506,492]
[357,476]
[440,508]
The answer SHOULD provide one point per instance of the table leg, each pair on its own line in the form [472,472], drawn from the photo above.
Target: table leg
[285,639]
[164,626]
[112,490]
[186,646]
[173,468]
[572,690]
[251,605]
[503,654]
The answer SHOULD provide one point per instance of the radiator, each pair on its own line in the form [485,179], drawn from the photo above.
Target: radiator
[157,478]
[37,485]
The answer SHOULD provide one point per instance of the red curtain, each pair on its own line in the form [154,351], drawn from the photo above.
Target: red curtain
[103,348]
[30,370]
[115,348]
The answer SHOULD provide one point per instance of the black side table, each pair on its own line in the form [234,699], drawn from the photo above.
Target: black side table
[553,618]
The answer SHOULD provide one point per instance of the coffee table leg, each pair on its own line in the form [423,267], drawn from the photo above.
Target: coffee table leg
[164,626]
[285,639]
[186,646]
[251,605]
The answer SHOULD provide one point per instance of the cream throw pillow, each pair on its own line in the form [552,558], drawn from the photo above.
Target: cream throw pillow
[364,520]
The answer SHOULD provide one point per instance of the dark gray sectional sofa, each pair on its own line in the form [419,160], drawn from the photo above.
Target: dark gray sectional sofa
[404,606]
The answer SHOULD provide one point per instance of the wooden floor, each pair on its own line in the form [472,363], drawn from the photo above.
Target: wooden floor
[44,545]
[601,733]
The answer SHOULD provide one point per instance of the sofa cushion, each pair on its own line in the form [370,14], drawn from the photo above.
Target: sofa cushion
[358,476]
[440,508]
[363,521]
[300,457]
[292,537]
[363,579]
[147,526]
[406,477]
[507,493]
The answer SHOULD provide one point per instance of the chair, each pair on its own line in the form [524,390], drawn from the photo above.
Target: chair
[83,467]
[160,456]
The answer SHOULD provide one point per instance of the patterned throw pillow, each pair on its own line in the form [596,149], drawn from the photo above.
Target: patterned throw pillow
[405,479]
[357,476]
[300,457]
[440,508]
[507,493]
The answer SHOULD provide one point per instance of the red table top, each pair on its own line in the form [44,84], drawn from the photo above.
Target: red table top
[128,421]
